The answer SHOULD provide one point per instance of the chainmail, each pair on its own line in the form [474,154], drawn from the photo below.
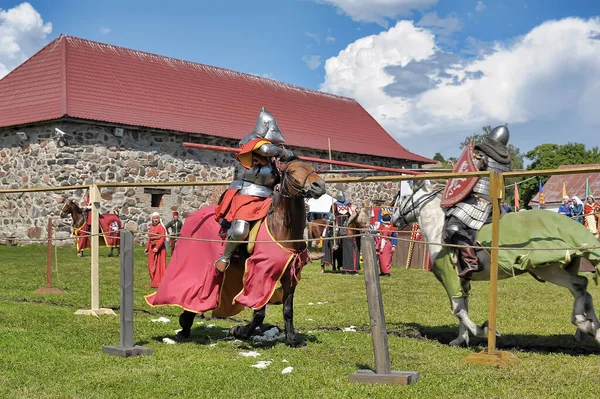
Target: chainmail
[495,150]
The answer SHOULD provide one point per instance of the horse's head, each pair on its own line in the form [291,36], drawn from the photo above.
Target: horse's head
[299,179]
[67,208]
[411,204]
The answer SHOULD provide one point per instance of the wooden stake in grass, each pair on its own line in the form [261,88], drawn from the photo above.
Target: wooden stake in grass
[383,370]
[49,289]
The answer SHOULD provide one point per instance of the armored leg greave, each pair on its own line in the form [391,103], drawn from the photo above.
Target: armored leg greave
[457,233]
[237,232]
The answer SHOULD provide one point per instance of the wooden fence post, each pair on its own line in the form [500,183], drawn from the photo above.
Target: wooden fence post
[49,289]
[95,308]
[491,356]
[383,372]
[127,348]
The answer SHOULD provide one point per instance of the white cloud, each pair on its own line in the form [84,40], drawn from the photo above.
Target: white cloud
[22,33]
[312,61]
[414,89]
[313,36]
[480,6]
[378,10]
[329,39]
[104,30]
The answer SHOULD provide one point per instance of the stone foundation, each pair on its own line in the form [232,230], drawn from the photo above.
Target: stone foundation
[91,153]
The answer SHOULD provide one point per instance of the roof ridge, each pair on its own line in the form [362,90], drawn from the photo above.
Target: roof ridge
[212,68]
[57,40]
[65,83]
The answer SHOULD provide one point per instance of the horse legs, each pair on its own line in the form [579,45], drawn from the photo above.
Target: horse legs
[80,254]
[288,313]
[186,321]
[583,316]
[244,332]
[110,254]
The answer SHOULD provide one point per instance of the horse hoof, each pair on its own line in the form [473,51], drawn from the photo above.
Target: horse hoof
[80,255]
[110,255]
[458,342]
[484,327]
[182,337]
[238,332]
[584,324]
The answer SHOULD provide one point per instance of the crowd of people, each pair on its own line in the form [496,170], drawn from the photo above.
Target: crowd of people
[586,214]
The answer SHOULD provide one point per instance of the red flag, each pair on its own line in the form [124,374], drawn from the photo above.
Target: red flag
[517,199]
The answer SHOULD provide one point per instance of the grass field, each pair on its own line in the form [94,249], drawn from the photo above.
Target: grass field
[47,352]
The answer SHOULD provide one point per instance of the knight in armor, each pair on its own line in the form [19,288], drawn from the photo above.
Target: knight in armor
[248,198]
[342,250]
[466,217]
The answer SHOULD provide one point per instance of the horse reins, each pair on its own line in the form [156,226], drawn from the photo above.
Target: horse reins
[285,180]
[422,200]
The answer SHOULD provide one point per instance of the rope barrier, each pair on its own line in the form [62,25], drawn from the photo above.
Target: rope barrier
[367,234]
[371,232]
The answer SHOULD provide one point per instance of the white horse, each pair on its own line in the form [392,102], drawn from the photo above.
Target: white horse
[423,206]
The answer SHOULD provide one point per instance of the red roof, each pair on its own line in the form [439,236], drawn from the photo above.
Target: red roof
[575,185]
[83,79]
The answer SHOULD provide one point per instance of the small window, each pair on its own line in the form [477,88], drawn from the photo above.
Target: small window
[156,200]
[156,196]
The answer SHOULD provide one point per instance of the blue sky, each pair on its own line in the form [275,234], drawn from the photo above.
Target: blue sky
[431,72]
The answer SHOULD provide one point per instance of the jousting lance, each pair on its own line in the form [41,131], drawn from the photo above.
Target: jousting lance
[308,159]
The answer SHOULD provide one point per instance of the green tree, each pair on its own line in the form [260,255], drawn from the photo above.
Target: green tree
[439,157]
[551,156]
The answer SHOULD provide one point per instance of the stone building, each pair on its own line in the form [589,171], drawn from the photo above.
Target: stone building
[79,112]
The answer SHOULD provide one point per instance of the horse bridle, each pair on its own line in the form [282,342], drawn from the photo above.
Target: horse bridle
[285,181]
[403,212]
[68,210]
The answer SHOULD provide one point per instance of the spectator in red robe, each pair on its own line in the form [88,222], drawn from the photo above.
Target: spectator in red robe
[156,250]
[385,243]
[590,211]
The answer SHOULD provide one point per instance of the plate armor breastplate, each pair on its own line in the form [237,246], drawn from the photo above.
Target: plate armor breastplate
[259,180]
[483,184]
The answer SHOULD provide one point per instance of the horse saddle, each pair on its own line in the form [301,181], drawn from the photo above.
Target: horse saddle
[253,234]
[483,257]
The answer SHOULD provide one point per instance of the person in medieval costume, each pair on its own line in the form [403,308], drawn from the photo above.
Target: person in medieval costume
[385,244]
[342,250]
[467,202]
[156,250]
[590,211]
[248,198]
[174,226]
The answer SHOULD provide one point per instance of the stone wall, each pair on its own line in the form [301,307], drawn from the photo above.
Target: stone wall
[91,153]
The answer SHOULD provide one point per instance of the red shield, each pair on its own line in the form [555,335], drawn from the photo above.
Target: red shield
[459,188]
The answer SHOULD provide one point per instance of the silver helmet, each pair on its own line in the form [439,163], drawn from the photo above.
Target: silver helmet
[340,196]
[266,127]
[500,134]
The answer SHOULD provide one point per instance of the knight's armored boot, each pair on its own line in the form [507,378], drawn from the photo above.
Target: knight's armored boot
[237,232]
[471,261]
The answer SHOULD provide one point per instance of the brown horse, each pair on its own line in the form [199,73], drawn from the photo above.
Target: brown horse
[316,227]
[286,221]
[109,227]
